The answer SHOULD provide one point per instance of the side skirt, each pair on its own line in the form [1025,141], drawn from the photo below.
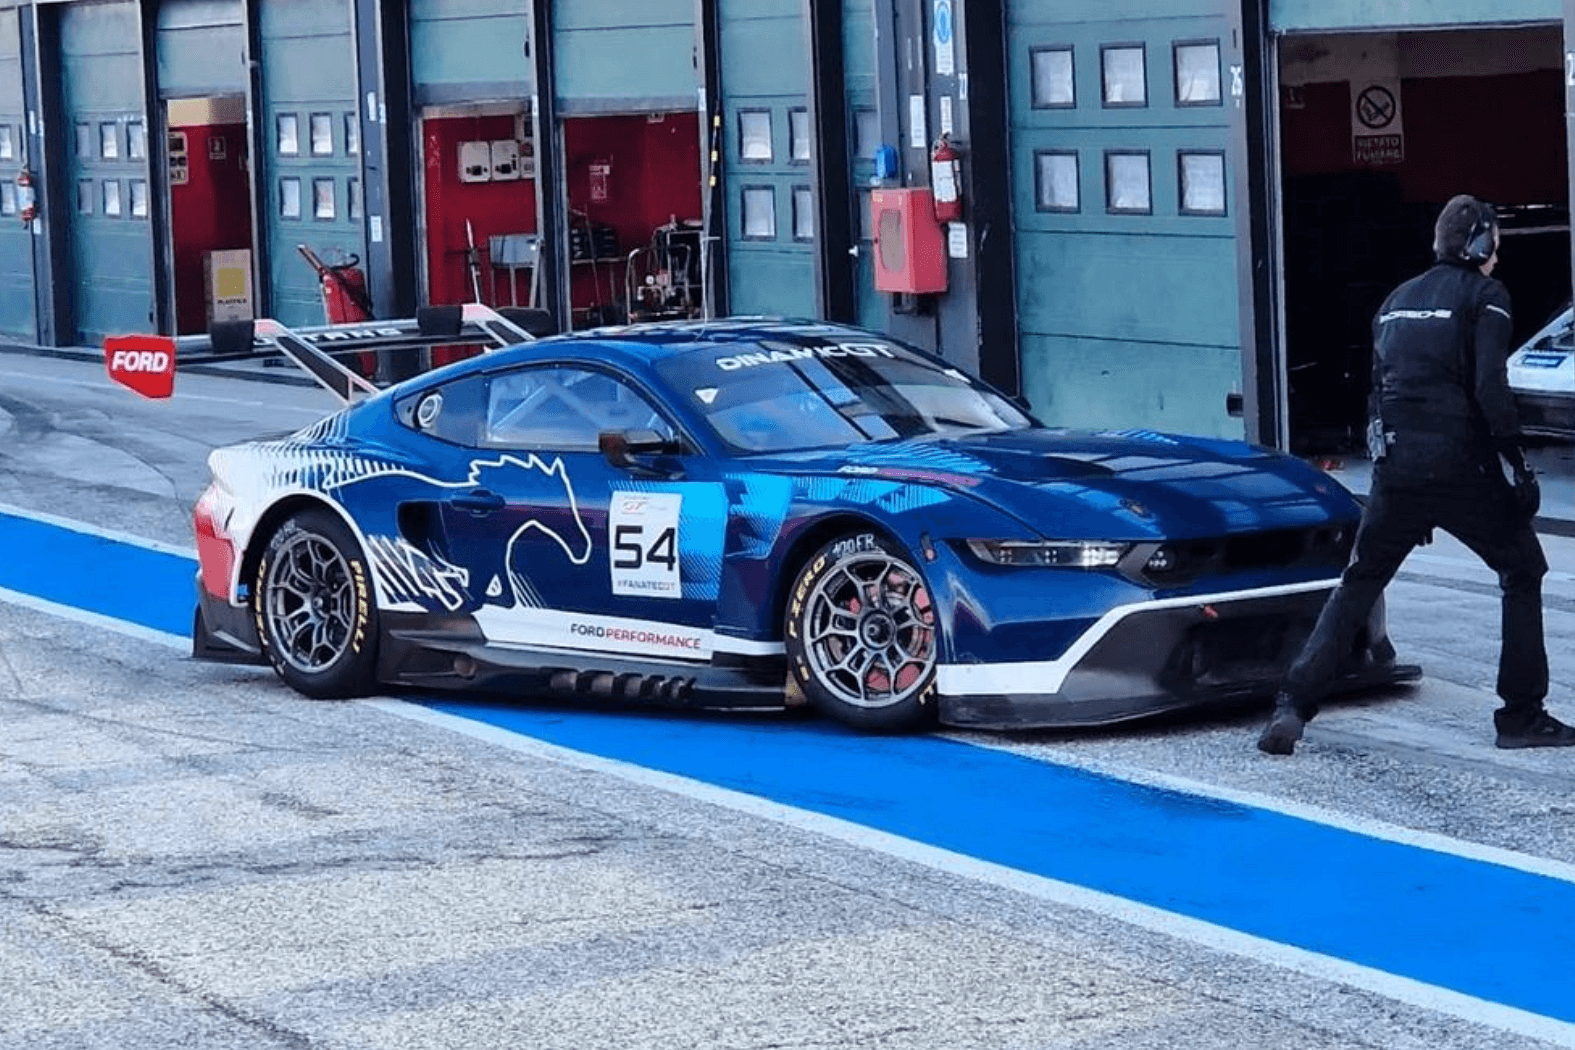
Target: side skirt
[451,654]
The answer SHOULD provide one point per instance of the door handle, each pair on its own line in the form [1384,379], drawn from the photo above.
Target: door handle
[477,501]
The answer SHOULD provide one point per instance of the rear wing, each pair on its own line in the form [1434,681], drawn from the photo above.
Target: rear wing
[146,364]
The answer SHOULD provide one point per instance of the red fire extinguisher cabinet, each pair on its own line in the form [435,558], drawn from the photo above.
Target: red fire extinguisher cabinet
[910,247]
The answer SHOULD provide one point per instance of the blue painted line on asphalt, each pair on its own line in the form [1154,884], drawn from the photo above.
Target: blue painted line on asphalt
[1474,927]
[1471,926]
[126,581]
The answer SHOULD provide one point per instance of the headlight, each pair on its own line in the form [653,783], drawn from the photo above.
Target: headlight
[1067,554]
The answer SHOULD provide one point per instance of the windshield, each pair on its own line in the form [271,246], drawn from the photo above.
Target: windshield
[823,391]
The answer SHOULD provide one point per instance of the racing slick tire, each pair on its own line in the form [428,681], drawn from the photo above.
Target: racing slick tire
[861,636]
[312,600]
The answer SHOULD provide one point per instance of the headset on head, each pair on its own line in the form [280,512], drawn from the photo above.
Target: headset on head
[1481,244]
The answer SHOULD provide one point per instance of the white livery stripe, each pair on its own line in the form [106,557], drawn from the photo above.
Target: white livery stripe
[1047,676]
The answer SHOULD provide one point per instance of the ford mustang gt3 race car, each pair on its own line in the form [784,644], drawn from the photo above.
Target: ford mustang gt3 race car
[743,514]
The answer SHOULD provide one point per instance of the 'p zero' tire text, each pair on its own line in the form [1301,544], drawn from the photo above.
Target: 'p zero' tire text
[861,635]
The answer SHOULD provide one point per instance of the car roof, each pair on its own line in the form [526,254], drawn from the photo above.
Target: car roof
[646,343]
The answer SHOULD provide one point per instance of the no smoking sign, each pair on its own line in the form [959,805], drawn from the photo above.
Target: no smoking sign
[1376,107]
[1377,130]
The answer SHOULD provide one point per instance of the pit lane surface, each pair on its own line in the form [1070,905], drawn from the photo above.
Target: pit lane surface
[308,881]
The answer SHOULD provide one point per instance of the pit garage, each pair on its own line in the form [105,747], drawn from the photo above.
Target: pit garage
[1377,132]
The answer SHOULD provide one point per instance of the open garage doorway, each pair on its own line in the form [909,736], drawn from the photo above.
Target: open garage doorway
[478,198]
[210,211]
[1377,132]
[634,217]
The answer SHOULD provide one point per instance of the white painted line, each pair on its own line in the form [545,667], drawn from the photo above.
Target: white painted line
[91,619]
[1472,563]
[1208,935]
[93,530]
[1375,829]
[315,413]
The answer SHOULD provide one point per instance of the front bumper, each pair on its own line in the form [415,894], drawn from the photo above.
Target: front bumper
[1544,413]
[1162,656]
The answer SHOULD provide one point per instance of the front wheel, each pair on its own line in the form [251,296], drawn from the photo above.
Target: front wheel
[861,636]
[314,610]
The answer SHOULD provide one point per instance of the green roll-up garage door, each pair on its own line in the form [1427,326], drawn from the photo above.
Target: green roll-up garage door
[310,130]
[201,48]
[16,248]
[1126,281]
[624,56]
[111,237]
[768,177]
[469,50]
[1286,16]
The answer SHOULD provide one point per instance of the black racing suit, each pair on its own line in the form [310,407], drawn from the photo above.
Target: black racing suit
[1440,346]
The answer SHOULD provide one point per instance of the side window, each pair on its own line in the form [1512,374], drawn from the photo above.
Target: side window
[452,412]
[564,409]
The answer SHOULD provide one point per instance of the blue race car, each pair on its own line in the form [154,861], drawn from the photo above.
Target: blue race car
[751,514]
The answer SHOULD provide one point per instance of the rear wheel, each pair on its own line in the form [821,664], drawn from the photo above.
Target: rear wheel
[861,636]
[313,605]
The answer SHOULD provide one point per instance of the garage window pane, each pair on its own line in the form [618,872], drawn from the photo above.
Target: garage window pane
[7,143]
[1198,74]
[112,197]
[1053,84]
[1127,185]
[84,140]
[324,199]
[290,198]
[1055,181]
[139,198]
[754,134]
[87,193]
[760,213]
[798,135]
[1202,183]
[352,135]
[289,135]
[803,214]
[109,141]
[1125,75]
[354,206]
[137,140]
[322,130]
[7,198]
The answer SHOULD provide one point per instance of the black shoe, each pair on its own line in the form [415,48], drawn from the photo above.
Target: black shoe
[1284,729]
[1542,731]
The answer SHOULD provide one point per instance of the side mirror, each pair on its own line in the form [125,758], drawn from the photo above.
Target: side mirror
[624,448]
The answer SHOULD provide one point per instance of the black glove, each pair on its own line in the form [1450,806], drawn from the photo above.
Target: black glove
[1528,494]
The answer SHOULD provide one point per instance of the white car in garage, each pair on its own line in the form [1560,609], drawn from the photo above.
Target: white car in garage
[1542,375]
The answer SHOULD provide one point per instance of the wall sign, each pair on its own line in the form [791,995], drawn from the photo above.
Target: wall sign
[943,30]
[179,164]
[1377,127]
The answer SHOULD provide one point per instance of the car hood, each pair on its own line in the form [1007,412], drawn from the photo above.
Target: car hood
[1127,485]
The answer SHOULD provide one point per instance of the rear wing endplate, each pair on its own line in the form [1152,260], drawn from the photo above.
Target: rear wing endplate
[315,350]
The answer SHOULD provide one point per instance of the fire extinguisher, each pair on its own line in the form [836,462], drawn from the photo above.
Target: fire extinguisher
[26,197]
[946,180]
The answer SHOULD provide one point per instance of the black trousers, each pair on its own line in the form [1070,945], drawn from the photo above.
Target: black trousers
[1476,509]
